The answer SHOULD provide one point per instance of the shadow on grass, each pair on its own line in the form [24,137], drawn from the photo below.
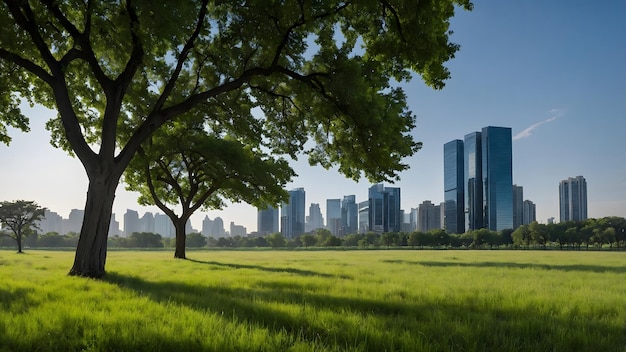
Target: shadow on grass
[576,267]
[17,300]
[354,323]
[270,269]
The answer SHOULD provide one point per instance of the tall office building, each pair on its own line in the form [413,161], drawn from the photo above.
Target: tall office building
[384,209]
[293,214]
[472,152]
[163,225]
[333,215]
[267,221]
[573,199]
[364,218]
[349,215]
[429,216]
[518,206]
[454,213]
[131,222]
[497,175]
[530,212]
[315,220]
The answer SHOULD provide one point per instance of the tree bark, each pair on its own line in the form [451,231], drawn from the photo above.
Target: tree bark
[91,251]
[181,237]
[18,239]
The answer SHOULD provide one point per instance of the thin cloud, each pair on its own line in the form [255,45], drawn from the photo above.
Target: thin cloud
[556,113]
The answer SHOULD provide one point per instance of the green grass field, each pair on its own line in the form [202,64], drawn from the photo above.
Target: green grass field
[383,300]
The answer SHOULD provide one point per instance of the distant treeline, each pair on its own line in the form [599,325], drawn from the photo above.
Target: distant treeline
[608,232]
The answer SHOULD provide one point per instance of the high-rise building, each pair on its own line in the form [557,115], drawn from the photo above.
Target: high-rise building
[364,216]
[454,213]
[163,226]
[573,199]
[333,215]
[429,216]
[237,230]
[146,223]
[518,206]
[413,219]
[497,176]
[293,214]
[74,222]
[384,209]
[51,222]
[131,222]
[530,212]
[349,215]
[267,221]
[315,220]
[472,151]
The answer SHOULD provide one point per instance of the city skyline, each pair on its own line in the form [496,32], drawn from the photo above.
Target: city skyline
[551,71]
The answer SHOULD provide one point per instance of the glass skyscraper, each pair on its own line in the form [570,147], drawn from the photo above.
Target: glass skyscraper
[472,151]
[267,220]
[497,177]
[293,214]
[384,209]
[454,213]
[518,206]
[349,215]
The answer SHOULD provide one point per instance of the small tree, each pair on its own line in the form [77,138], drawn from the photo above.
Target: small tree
[20,217]
[196,240]
[308,240]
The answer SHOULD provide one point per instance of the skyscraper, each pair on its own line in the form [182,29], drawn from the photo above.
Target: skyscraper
[497,178]
[530,212]
[472,151]
[573,199]
[518,206]
[131,222]
[333,215]
[293,214]
[384,209]
[315,220]
[364,218]
[349,215]
[429,216]
[454,214]
[267,221]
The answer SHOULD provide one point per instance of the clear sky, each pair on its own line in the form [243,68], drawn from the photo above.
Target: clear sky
[553,71]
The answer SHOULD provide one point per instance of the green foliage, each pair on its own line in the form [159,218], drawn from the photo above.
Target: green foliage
[196,240]
[276,240]
[144,240]
[20,217]
[316,301]
[273,76]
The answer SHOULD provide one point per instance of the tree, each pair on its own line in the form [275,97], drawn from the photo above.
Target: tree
[521,236]
[276,240]
[196,240]
[186,166]
[115,72]
[308,240]
[20,217]
[144,240]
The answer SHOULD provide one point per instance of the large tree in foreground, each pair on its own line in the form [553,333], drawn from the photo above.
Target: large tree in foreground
[185,167]
[20,217]
[117,70]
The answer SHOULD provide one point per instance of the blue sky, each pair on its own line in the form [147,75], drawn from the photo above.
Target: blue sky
[553,71]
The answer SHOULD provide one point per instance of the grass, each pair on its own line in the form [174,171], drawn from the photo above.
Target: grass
[316,301]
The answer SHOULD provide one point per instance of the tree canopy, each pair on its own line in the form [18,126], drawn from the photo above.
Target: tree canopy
[20,217]
[183,168]
[282,73]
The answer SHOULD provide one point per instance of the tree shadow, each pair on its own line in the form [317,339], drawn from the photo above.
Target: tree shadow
[455,322]
[17,300]
[575,267]
[271,269]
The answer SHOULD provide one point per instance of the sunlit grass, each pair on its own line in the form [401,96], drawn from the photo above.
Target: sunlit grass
[317,301]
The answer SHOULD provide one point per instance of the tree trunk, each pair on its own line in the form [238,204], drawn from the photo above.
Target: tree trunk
[18,239]
[92,244]
[181,237]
